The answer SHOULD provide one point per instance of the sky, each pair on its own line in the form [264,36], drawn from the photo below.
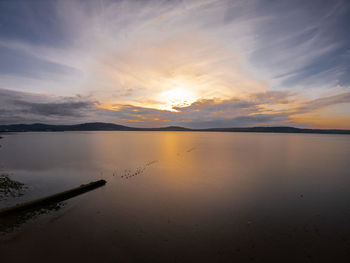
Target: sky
[197,64]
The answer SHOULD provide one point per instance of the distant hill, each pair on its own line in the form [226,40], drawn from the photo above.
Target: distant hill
[101,126]
[92,126]
[95,126]
[282,129]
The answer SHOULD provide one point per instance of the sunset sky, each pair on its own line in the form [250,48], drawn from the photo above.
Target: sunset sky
[196,64]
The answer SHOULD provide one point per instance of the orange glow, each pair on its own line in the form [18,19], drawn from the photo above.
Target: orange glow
[160,120]
[319,121]
[130,120]
[335,116]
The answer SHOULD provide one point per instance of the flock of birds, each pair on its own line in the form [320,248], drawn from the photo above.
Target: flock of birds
[128,173]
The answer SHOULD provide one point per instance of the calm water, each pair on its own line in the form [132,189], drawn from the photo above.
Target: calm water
[182,197]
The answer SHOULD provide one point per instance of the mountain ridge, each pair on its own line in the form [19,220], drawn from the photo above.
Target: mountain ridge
[102,126]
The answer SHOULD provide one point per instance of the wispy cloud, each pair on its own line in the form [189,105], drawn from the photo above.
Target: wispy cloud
[242,62]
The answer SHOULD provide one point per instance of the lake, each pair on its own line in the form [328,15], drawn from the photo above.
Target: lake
[180,197]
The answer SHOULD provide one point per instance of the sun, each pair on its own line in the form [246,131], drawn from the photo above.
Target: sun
[177,97]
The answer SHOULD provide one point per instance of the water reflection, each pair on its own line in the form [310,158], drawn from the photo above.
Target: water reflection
[10,222]
[188,197]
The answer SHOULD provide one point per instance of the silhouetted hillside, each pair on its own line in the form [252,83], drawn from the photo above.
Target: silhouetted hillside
[93,126]
[101,126]
[283,129]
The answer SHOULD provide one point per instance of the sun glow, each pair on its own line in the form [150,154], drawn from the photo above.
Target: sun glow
[177,97]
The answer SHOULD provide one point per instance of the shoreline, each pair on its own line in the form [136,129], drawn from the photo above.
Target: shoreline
[38,127]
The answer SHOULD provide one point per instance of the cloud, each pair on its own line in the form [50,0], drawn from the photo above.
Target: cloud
[267,109]
[245,62]
[63,109]
[245,121]
[293,45]
[325,102]
[29,107]
[206,113]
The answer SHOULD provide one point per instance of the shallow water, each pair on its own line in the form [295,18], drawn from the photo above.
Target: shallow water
[181,197]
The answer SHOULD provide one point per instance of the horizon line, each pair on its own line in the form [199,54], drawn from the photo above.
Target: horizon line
[244,129]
